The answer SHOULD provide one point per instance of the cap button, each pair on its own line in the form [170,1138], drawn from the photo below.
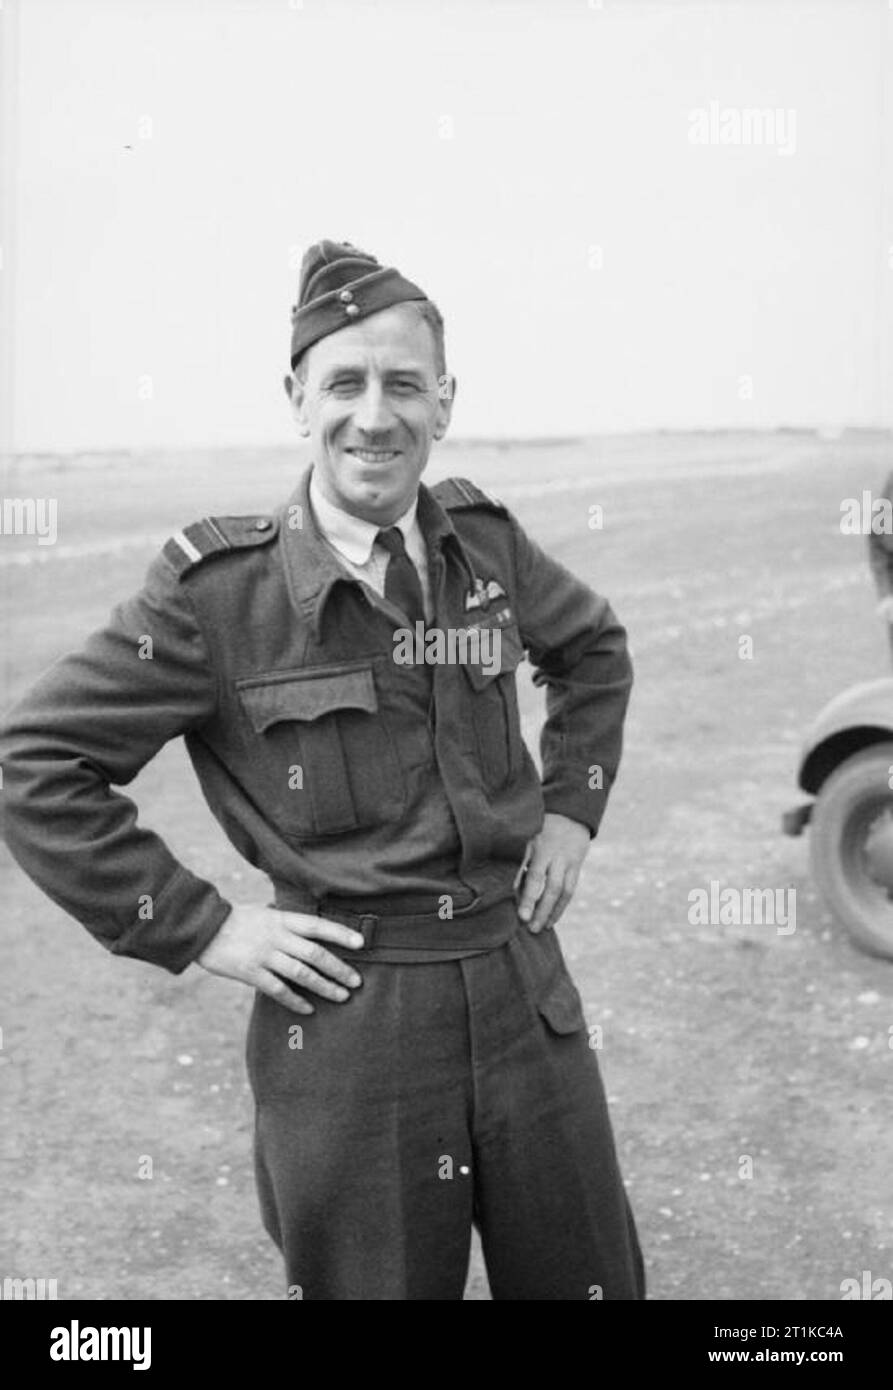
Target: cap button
[351,310]
[262,525]
[345,296]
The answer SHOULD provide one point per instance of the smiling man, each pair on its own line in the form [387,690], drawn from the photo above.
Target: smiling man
[441,1073]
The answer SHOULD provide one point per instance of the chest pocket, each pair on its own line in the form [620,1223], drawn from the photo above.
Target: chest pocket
[324,752]
[494,706]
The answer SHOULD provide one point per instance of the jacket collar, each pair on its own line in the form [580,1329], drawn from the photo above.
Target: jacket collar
[351,535]
[313,570]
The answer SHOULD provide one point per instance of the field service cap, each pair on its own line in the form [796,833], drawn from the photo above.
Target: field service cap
[339,285]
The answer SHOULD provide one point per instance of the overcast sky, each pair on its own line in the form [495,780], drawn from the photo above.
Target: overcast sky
[535,165]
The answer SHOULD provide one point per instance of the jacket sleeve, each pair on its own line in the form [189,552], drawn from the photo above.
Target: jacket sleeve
[579,652]
[88,725]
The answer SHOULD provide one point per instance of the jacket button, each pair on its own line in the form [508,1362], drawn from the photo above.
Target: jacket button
[262,525]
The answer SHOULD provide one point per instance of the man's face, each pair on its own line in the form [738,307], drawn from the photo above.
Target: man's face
[371,407]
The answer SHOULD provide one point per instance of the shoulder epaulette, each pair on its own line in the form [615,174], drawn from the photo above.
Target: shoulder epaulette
[452,493]
[216,535]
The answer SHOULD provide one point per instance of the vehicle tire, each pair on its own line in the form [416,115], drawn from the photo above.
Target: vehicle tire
[851,847]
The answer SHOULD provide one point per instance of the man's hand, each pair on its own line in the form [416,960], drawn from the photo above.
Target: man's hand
[257,944]
[885,608]
[552,863]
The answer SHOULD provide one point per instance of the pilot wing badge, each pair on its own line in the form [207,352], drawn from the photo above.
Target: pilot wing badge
[483,594]
[478,601]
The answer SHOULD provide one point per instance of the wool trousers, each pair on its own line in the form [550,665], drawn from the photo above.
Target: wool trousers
[442,1094]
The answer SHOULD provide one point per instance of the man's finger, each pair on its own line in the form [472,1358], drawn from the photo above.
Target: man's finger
[267,983]
[303,975]
[558,910]
[534,883]
[522,870]
[305,924]
[550,896]
[299,948]
[569,887]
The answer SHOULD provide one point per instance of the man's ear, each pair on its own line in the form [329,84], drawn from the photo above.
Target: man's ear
[297,394]
[446,392]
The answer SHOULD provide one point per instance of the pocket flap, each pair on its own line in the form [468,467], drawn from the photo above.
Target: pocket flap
[307,696]
[504,657]
[561,1006]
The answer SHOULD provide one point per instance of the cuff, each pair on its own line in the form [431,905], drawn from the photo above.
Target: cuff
[186,917]
[586,807]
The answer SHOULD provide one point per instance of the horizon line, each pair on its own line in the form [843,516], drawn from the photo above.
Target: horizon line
[826,432]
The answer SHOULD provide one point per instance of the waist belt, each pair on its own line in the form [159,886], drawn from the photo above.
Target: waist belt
[393,924]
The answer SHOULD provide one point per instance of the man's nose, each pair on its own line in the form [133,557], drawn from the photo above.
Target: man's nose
[372,414]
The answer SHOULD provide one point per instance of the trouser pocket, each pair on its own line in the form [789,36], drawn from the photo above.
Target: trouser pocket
[547,981]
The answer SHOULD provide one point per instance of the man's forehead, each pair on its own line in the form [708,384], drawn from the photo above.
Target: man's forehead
[397,335]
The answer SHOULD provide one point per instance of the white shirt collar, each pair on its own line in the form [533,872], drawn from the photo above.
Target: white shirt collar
[351,535]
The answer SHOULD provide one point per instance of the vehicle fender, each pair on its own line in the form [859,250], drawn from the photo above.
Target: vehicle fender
[855,718]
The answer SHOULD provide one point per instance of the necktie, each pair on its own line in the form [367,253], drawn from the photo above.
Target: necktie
[401,582]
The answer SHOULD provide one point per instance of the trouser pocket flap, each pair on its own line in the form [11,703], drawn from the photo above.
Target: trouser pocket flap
[561,1006]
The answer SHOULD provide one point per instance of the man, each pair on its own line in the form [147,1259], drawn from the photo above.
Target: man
[441,1072]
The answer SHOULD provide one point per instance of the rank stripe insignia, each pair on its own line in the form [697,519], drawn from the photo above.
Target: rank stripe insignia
[181,539]
[211,523]
[216,536]
[191,545]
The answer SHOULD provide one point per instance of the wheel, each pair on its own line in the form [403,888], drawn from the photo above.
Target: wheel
[851,847]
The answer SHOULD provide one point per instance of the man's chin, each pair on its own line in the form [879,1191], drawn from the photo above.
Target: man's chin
[377,488]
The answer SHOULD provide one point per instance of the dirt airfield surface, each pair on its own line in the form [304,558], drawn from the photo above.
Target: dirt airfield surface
[720,1044]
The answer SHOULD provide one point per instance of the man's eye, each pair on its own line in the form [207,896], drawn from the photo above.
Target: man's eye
[344,385]
[404,386]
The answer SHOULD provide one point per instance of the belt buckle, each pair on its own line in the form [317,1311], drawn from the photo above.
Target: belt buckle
[366,924]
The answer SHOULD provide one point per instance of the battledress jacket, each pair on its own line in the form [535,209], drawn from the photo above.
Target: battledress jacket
[331,767]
